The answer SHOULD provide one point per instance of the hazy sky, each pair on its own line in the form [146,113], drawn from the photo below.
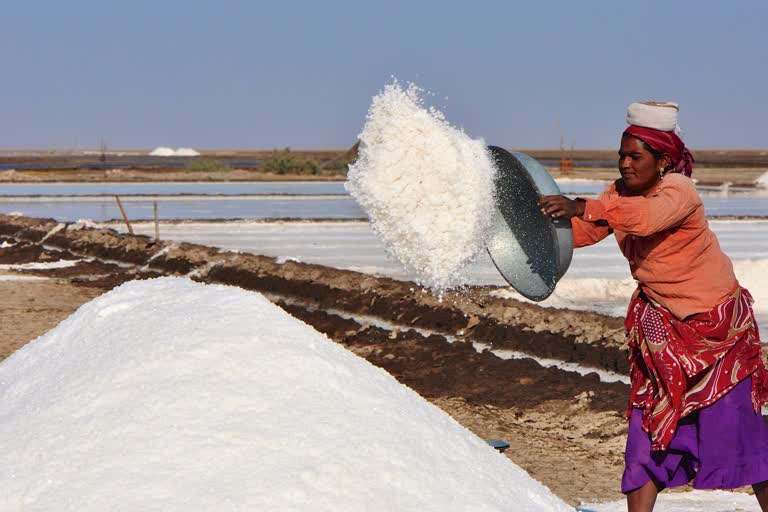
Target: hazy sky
[249,74]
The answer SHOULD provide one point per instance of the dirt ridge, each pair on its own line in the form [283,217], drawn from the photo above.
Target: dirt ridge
[587,338]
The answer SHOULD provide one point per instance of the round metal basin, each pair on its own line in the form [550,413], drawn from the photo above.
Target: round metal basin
[530,250]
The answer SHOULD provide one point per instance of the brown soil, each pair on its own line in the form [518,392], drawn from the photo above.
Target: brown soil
[156,174]
[31,308]
[713,167]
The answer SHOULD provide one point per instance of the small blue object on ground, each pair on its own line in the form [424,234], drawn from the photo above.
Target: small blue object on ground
[498,444]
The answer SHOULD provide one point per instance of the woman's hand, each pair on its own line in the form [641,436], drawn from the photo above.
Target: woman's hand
[561,206]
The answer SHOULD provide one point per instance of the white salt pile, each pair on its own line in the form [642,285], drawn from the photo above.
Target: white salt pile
[165,151]
[753,274]
[172,395]
[162,151]
[186,152]
[762,181]
[427,187]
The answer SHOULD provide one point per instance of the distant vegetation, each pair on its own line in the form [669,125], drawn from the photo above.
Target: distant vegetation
[207,165]
[286,162]
[341,163]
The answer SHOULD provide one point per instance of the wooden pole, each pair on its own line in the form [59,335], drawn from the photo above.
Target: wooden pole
[125,217]
[157,226]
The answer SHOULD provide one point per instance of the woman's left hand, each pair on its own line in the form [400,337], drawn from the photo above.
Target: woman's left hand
[561,206]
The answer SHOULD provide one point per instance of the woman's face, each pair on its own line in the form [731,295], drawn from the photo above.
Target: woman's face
[638,167]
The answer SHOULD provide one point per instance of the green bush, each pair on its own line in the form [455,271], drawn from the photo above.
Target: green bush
[285,162]
[207,165]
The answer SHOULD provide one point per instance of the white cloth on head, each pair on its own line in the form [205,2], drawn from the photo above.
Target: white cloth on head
[656,115]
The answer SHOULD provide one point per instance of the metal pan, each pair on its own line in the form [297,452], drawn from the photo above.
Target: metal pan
[530,250]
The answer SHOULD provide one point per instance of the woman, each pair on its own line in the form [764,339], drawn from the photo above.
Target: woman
[697,377]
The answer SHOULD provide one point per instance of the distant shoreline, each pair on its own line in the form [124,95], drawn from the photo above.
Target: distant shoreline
[715,176]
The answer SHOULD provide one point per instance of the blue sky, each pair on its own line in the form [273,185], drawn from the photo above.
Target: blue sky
[248,74]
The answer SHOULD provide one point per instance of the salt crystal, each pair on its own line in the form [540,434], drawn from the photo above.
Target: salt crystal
[428,188]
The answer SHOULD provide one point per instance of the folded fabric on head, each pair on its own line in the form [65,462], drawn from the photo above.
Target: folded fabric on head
[660,116]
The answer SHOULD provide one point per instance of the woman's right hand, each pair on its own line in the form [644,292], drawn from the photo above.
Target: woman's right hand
[561,206]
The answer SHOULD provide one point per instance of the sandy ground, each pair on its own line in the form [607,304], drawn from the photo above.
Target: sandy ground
[31,308]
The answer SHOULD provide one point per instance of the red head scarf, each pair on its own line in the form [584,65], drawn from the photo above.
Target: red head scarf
[667,143]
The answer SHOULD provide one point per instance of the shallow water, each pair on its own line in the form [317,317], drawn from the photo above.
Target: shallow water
[69,209]
[235,188]
[102,209]
[66,201]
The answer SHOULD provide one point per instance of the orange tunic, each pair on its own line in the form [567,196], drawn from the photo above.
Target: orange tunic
[664,235]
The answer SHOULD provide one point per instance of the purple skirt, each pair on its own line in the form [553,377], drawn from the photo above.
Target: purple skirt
[722,446]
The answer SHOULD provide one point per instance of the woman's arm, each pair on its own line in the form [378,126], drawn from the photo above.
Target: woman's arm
[645,215]
[584,233]
[588,233]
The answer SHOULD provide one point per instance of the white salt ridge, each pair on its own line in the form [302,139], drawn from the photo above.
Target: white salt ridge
[162,151]
[186,152]
[165,151]
[611,296]
[170,395]
[762,181]
[426,186]
[16,277]
[40,265]
[601,295]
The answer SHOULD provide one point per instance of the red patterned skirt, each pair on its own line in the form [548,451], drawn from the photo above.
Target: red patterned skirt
[679,366]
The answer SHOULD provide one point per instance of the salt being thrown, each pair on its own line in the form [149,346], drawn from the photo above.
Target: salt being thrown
[428,188]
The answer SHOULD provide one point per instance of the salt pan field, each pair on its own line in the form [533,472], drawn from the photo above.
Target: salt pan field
[70,202]
[597,280]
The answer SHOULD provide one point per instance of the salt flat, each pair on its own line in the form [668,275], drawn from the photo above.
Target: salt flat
[598,279]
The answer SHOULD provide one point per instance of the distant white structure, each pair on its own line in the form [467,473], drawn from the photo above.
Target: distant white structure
[166,151]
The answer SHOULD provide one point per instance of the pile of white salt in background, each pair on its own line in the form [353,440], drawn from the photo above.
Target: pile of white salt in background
[762,181]
[170,395]
[427,187]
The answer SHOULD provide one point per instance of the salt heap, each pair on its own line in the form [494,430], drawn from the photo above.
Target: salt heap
[762,181]
[162,151]
[175,396]
[427,187]
[186,152]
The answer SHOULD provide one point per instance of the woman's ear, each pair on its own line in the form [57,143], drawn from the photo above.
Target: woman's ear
[665,162]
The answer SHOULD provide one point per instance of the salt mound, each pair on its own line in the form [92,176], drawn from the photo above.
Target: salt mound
[162,151]
[173,395]
[186,152]
[426,186]
[762,181]
[753,275]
